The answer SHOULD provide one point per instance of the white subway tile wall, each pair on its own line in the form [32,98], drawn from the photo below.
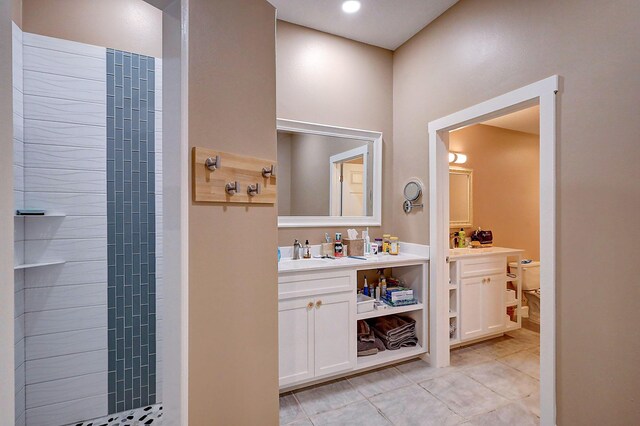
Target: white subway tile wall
[19,235]
[65,173]
[60,147]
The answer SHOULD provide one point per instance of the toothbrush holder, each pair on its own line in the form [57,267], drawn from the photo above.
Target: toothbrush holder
[327,249]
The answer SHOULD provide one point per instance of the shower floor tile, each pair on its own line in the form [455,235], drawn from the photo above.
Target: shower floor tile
[151,415]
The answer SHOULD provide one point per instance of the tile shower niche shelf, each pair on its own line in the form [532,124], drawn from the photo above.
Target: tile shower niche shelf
[39,215]
[38,265]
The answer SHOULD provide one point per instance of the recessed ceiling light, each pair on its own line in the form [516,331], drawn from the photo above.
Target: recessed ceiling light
[351,6]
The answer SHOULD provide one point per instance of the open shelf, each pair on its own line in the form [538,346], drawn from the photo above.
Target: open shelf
[388,356]
[514,303]
[453,314]
[38,265]
[390,311]
[452,287]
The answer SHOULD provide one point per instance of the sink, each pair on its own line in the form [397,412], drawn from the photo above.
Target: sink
[302,263]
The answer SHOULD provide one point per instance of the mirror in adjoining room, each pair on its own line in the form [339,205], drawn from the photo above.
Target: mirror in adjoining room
[327,175]
[460,197]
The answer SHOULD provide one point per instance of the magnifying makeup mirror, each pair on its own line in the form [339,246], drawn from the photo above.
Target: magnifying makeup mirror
[412,193]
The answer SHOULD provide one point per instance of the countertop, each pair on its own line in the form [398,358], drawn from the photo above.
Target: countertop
[476,252]
[414,255]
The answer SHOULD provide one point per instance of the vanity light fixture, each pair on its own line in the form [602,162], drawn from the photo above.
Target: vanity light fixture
[351,6]
[457,158]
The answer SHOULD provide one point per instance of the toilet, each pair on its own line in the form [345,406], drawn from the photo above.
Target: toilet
[530,287]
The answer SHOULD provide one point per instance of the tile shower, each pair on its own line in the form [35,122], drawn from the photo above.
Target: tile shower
[88,150]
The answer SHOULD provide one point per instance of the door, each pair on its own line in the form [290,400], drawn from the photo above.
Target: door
[352,188]
[335,340]
[470,313]
[295,340]
[493,302]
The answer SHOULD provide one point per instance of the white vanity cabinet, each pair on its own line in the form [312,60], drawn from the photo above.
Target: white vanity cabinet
[478,288]
[318,319]
[316,314]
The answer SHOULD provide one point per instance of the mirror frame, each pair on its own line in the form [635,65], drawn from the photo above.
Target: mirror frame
[341,132]
[469,173]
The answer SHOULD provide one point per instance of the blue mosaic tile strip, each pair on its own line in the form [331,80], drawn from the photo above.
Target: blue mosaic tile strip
[131,228]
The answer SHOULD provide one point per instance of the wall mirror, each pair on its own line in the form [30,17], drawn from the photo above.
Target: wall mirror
[328,176]
[460,197]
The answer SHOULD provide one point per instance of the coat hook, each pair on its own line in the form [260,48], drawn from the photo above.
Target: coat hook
[253,190]
[271,171]
[213,163]
[231,188]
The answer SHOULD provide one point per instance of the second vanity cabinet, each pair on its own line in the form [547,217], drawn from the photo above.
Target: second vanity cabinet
[315,334]
[478,286]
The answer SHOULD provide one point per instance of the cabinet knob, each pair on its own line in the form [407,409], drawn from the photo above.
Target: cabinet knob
[318,304]
[484,281]
[489,279]
[310,305]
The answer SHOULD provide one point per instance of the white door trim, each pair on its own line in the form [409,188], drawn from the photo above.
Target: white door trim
[544,93]
[344,156]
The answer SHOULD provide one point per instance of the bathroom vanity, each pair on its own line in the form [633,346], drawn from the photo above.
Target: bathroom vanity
[317,314]
[478,302]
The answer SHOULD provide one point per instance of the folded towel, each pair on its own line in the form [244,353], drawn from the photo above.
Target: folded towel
[394,331]
[370,348]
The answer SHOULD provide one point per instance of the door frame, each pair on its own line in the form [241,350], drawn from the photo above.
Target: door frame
[349,155]
[542,92]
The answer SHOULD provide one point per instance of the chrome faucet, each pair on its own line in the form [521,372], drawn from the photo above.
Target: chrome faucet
[297,247]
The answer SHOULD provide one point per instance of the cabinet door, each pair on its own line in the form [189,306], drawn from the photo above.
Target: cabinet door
[470,313]
[295,340]
[335,340]
[493,303]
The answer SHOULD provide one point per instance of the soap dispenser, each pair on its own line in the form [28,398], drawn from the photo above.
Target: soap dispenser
[307,250]
[461,238]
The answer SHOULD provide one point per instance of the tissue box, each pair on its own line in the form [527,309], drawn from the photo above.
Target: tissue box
[356,246]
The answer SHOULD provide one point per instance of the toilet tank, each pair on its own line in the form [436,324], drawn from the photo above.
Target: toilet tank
[530,274]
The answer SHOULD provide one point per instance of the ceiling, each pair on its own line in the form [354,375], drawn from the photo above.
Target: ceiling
[526,120]
[382,23]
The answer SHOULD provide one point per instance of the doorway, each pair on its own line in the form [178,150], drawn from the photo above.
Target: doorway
[543,93]
[348,184]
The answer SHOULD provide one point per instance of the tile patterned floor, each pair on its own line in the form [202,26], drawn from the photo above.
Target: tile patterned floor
[490,383]
[151,415]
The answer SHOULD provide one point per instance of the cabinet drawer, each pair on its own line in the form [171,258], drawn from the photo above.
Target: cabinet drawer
[300,285]
[483,266]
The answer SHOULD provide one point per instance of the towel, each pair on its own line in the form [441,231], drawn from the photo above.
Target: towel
[368,343]
[394,331]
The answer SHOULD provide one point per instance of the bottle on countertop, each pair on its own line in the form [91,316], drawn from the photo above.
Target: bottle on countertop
[386,242]
[307,250]
[462,238]
[394,246]
[337,246]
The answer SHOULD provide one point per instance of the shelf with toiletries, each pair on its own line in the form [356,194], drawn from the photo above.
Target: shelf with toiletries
[394,290]
[390,311]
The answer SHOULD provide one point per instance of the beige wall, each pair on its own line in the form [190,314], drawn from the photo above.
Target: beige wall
[506,184]
[131,25]
[16,12]
[483,48]
[331,80]
[7,389]
[233,351]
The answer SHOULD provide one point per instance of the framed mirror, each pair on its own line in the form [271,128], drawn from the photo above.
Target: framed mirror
[460,197]
[328,176]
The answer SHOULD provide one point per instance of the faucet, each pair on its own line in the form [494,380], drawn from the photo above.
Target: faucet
[297,247]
